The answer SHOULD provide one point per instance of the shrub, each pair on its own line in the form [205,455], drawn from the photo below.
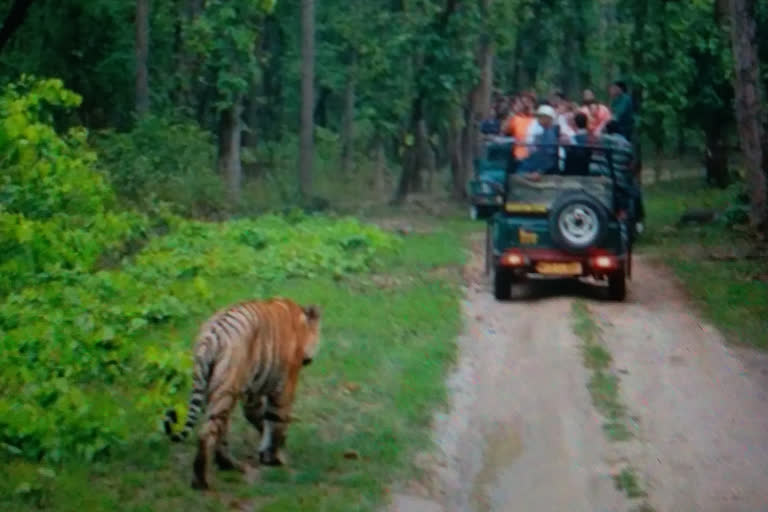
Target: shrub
[164,160]
[68,349]
[44,172]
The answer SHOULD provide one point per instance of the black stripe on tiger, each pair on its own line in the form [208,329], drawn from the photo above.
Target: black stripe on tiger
[196,400]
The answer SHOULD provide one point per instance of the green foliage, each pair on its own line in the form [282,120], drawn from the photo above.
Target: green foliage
[712,260]
[352,399]
[55,219]
[45,172]
[164,160]
[37,251]
[80,279]
[679,55]
[66,349]
[225,38]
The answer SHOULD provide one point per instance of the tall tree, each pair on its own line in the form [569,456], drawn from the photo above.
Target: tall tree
[13,20]
[142,56]
[348,118]
[749,106]
[307,130]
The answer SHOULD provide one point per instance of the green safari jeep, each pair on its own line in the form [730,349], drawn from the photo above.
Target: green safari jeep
[568,223]
[486,189]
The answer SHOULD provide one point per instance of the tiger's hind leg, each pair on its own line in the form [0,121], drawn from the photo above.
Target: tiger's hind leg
[254,407]
[276,418]
[212,437]
[224,459]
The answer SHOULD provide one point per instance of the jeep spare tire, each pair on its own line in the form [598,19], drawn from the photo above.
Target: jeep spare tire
[577,221]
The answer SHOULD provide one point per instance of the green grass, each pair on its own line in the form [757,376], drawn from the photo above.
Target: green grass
[732,294]
[370,393]
[603,386]
[626,481]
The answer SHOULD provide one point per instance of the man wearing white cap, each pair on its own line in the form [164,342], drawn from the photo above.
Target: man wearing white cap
[546,133]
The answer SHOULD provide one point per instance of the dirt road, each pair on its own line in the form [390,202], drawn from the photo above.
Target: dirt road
[523,435]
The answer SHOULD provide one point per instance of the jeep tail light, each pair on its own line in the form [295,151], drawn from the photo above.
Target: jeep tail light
[605,262]
[513,259]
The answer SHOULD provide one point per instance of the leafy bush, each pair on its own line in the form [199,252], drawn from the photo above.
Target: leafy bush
[44,172]
[81,281]
[164,160]
[57,215]
[36,251]
[68,349]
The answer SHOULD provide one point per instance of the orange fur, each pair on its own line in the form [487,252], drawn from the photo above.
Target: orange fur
[251,351]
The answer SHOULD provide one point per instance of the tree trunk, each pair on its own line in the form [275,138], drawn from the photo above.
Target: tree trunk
[469,142]
[639,13]
[14,20]
[142,56]
[321,107]
[716,159]
[251,133]
[185,93]
[411,166]
[381,166]
[306,145]
[457,157]
[348,121]
[749,106]
[426,158]
[420,156]
[422,159]
[270,112]
[479,107]
[230,133]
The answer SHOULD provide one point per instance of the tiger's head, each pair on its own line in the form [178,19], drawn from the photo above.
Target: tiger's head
[311,339]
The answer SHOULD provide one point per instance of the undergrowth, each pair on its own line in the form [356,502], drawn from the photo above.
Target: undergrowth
[722,265]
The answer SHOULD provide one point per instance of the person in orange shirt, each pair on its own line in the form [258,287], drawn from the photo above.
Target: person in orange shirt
[598,114]
[520,123]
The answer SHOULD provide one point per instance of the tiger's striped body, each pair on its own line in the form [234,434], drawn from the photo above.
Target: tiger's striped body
[251,351]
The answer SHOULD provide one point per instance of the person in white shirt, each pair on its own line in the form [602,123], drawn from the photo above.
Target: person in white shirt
[564,114]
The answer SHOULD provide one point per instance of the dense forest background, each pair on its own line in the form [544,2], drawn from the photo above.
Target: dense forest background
[177,94]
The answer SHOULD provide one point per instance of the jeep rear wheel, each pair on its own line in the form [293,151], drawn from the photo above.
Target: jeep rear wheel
[617,285]
[502,283]
[488,249]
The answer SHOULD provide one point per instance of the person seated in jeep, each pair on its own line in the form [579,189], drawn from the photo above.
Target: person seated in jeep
[545,135]
[621,155]
[581,136]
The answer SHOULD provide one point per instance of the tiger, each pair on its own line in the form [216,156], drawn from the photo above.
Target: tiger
[250,351]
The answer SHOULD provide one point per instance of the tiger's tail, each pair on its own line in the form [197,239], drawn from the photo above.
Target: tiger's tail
[196,401]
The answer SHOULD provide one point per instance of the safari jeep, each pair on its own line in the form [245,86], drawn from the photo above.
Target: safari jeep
[486,189]
[567,224]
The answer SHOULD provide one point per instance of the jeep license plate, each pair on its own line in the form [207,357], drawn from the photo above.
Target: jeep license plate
[559,269]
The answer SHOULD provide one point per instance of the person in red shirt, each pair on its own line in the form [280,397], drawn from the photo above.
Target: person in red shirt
[598,114]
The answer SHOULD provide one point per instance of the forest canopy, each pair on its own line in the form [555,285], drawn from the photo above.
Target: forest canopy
[398,88]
